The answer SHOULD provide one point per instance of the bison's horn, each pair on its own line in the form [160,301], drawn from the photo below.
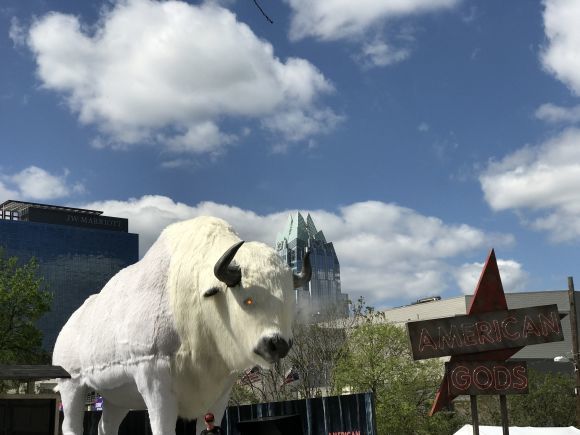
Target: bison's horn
[303,277]
[231,275]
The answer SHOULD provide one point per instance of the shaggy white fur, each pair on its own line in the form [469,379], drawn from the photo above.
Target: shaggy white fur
[150,339]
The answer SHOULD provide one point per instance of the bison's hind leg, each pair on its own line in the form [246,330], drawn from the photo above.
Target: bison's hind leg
[73,396]
[111,418]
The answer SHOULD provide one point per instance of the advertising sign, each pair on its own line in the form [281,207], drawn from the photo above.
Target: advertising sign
[487,377]
[485,331]
[78,219]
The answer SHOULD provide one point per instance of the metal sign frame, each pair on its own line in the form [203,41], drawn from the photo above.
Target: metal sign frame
[483,332]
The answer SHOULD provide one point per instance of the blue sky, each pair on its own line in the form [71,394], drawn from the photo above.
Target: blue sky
[418,134]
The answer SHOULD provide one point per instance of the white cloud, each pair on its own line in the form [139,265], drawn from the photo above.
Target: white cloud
[362,21]
[7,193]
[560,56]
[470,16]
[379,53]
[513,276]
[423,127]
[17,33]
[34,183]
[167,72]
[386,252]
[297,125]
[179,163]
[541,179]
[339,19]
[201,138]
[149,214]
[556,114]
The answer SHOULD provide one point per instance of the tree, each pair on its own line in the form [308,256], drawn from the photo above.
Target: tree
[376,358]
[356,354]
[311,359]
[550,402]
[246,389]
[318,346]
[22,303]
[258,385]
[317,343]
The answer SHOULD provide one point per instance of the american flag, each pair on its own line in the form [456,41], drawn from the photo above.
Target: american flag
[291,376]
[252,376]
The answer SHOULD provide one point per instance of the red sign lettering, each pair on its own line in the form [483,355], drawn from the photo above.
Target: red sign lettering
[486,331]
[487,377]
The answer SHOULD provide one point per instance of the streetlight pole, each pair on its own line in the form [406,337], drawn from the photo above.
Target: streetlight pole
[574,329]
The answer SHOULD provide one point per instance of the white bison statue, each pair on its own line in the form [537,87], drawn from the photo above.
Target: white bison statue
[170,332]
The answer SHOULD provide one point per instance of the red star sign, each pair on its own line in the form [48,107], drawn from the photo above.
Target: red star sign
[489,296]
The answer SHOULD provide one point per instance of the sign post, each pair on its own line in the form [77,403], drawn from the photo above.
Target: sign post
[481,341]
[504,414]
[575,356]
[474,414]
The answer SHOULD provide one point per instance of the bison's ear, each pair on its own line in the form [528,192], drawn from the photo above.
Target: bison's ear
[211,292]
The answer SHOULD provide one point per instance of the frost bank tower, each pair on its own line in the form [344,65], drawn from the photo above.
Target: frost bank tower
[323,292]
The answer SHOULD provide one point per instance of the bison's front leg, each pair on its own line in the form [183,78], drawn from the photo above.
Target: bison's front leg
[73,396]
[111,418]
[154,384]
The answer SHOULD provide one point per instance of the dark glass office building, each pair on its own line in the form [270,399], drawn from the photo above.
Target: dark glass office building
[78,251]
[323,292]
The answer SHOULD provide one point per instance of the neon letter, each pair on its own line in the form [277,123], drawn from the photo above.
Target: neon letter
[485,381]
[551,323]
[505,331]
[426,340]
[484,332]
[530,327]
[520,378]
[502,377]
[460,378]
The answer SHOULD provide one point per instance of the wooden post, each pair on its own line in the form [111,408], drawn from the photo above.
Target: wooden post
[504,414]
[574,330]
[474,415]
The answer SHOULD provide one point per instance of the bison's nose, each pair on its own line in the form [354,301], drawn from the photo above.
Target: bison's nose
[273,348]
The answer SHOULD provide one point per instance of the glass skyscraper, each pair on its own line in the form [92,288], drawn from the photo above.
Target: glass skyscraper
[77,250]
[322,295]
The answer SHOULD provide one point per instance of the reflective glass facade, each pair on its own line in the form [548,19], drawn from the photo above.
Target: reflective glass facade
[323,292]
[75,262]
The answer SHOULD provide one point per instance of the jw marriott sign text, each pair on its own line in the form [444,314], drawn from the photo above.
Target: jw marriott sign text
[486,331]
[94,220]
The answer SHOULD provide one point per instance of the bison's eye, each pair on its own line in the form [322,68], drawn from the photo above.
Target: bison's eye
[249,301]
